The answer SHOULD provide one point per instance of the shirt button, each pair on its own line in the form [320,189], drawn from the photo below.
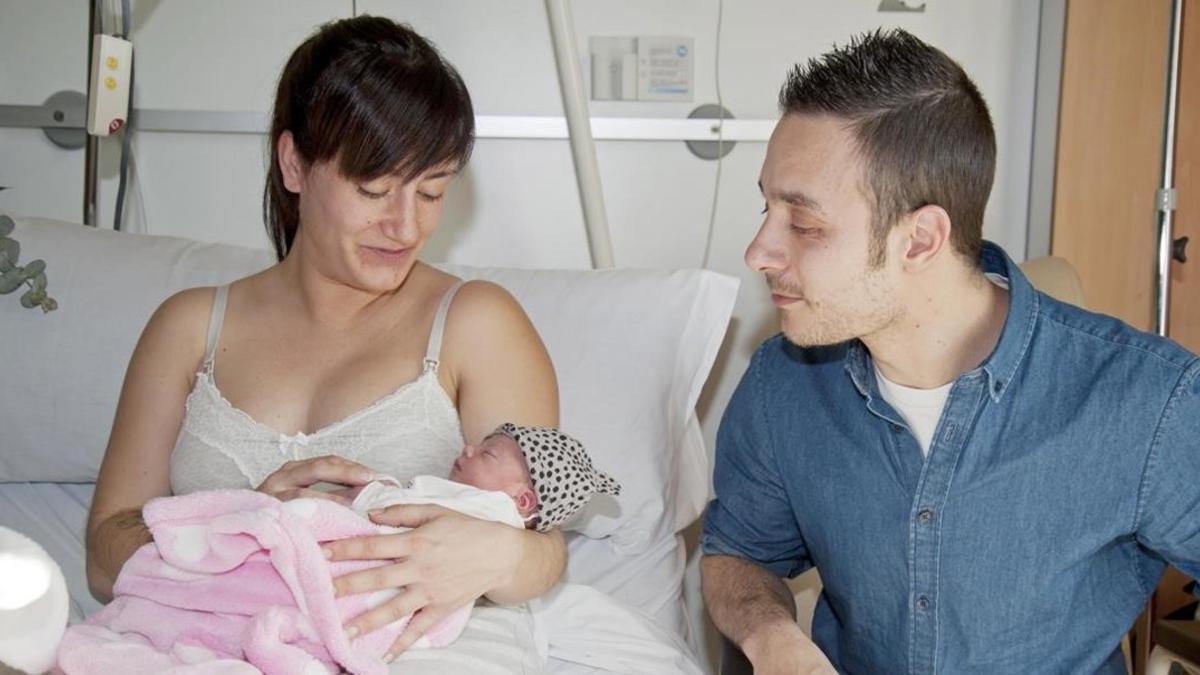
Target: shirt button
[922,603]
[925,516]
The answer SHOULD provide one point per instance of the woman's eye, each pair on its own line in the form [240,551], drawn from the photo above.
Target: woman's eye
[371,195]
[431,197]
[764,208]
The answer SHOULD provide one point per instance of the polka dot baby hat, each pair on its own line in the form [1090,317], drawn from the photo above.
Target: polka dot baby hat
[561,471]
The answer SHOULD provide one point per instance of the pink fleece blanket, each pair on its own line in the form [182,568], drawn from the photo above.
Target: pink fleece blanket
[235,582]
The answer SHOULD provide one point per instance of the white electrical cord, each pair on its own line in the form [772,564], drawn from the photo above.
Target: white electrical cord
[712,216]
[137,221]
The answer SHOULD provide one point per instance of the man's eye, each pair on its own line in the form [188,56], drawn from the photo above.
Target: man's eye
[431,197]
[764,208]
[371,195]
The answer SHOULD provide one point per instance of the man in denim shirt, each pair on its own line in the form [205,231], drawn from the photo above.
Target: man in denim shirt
[989,480]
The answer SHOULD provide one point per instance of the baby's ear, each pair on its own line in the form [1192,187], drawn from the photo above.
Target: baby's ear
[526,501]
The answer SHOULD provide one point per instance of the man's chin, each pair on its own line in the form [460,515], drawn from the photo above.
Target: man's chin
[810,342]
[809,338]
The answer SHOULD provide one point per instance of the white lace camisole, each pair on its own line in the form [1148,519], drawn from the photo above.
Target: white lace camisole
[414,430]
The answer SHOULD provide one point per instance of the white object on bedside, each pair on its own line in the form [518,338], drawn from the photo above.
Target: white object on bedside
[108,94]
[33,604]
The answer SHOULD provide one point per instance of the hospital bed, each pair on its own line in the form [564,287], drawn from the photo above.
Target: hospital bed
[632,349]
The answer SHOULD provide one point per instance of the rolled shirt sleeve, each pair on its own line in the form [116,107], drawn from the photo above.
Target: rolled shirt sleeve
[751,516]
[1169,522]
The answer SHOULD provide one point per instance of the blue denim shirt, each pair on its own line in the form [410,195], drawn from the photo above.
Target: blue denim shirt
[1064,473]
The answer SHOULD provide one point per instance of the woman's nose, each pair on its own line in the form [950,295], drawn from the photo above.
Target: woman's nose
[400,225]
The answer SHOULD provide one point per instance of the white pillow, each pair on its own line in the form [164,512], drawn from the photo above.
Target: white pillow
[63,370]
[632,349]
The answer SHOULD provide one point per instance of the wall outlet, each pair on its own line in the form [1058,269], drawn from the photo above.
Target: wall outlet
[108,94]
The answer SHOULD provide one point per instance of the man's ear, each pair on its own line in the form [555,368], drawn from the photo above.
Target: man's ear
[928,236]
[291,164]
[526,500]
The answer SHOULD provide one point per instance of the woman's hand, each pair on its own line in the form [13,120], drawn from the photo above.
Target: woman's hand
[295,479]
[448,561]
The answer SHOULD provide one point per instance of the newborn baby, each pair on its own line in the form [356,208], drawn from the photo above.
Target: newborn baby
[532,477]
[545,476]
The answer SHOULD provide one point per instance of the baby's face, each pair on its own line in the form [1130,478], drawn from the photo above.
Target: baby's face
[495,464]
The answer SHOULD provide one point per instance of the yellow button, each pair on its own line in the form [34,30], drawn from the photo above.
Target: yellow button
[111,63]
[110,82]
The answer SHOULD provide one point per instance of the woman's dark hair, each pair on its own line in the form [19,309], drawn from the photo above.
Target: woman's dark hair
[920,123]
[376,96]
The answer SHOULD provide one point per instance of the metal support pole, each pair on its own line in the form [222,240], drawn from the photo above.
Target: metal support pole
[91,154]
[1165,198]
[583,147]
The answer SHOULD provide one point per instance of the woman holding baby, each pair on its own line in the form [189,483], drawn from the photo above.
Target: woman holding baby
[350,357]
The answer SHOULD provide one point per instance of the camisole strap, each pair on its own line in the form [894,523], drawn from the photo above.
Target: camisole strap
[215,320]
[434,350]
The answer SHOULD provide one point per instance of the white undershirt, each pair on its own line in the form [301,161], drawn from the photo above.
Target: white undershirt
[922,408]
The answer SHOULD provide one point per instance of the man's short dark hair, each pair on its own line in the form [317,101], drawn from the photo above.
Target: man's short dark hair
[920,123]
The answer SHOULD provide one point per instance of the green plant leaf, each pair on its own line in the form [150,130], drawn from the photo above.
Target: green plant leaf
[11,280]
[10,253]
[38,281]
[34,268]
[36,297]
[6,226]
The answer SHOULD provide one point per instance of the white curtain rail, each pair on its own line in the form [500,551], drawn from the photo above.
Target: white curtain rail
[487,126]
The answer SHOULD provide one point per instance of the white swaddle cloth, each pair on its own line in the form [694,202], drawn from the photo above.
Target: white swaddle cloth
[465,499]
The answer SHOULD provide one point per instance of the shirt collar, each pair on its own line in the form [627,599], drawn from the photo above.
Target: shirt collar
[1001,367]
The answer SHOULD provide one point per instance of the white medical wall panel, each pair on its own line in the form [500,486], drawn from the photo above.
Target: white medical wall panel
[43,49]
[42,179]
[516,205]
[200,186]
[501,48]
[219,54]
[216,55]
[658,197]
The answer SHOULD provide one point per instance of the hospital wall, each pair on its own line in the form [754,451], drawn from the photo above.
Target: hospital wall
[517,204]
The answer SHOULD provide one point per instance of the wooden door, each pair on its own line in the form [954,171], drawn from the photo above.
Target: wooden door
[1184,319]
[1109,151]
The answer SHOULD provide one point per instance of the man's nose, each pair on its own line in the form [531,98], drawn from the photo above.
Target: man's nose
[764,253]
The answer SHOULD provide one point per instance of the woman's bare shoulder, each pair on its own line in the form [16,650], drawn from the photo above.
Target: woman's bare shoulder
[475,300]
[480,300]
[180,325]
